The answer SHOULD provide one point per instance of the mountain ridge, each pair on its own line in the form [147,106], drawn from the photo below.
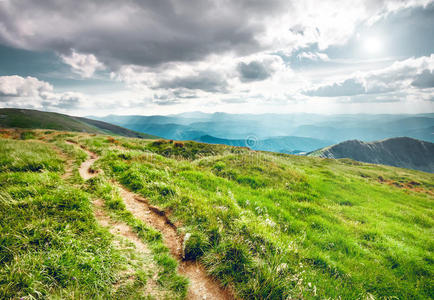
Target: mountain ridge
[35,119]
[402,152]
[334,128]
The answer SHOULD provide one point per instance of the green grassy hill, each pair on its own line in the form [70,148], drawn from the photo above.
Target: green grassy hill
[34,119]
[270,226]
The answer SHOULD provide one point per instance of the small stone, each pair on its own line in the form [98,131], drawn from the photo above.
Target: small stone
[184,243]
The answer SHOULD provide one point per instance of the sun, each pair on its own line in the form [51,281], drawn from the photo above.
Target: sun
[372,45]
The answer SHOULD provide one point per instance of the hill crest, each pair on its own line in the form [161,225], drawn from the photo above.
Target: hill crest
[402,152]
[35,119]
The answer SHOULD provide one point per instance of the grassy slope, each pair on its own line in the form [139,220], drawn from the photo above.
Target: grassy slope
[276,226]
[303,226]
[50,243]
[25,118]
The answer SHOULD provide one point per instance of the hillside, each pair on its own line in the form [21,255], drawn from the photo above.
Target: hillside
[34,119]
[401,152]
[88,216]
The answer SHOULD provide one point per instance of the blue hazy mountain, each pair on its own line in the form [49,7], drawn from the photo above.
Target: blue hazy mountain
[282,144]
[277,132]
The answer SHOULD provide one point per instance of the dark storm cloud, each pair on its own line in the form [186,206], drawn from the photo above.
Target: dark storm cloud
[424,80]
[144,33]
[206,81]
[253,71]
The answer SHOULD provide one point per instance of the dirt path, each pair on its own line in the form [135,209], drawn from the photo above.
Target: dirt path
[119,229]
[201,285]
[123,230]
[85,171]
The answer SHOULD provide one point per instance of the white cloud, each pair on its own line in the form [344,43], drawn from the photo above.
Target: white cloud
[314,56]
[17,91]
[83,64]
[215,79]
[17,86]
[400,75]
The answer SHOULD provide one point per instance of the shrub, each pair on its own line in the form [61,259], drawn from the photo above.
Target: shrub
[230,261]
[125,156]
[27,135]
[219,166]
[158,142]
[112,140]
[165,190]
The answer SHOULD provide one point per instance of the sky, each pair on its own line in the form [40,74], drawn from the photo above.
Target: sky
[247,56]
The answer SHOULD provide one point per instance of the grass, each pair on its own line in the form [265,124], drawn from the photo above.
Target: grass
[167,276]
[23,118]
[50,243]
[306,227]
[271,226]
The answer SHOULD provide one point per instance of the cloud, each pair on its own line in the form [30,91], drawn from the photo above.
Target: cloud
[151,33]
[170,52]
[84,65]
[67,100]
[348,87]
[17,91]
[207,81]
[17,86]
[424,79]
[253,71]
[144,33]
[314,56]
[400,75]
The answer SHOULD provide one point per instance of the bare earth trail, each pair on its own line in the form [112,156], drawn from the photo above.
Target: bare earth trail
[201,286]
[122,229]
[115,227]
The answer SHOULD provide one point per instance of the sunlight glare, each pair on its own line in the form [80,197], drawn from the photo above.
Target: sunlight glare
[372,45]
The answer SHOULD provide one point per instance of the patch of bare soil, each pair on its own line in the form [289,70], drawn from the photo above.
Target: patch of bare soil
[202,286]
[409,186]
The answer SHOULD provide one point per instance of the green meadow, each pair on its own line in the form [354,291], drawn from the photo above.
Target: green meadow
[269,226]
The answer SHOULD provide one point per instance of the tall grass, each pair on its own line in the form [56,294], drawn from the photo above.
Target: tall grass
[271,226]
[305,227]
[50,243]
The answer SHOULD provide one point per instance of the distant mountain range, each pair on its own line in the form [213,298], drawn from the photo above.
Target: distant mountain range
[34,119]
[305,134]
[399,152]
[287,133]
[282,144]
